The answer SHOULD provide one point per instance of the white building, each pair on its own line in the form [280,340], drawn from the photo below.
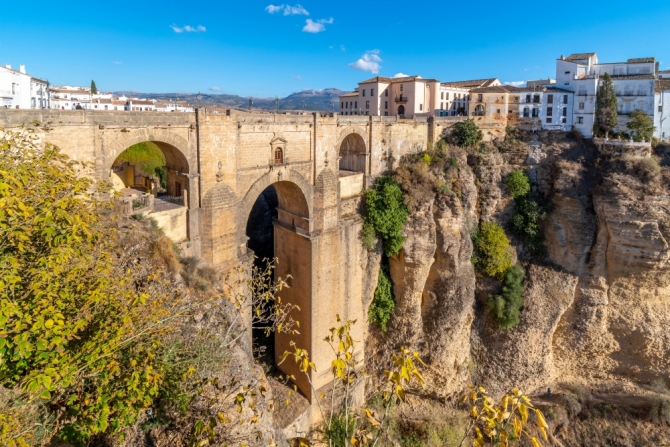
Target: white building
[662,109]
[553,106]
[18,90]
[634,82]
[410,96]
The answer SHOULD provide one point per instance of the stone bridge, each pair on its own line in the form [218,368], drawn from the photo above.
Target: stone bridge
[319,165]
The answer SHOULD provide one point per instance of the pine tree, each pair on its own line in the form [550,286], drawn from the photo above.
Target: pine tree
[606,105]
[94,89]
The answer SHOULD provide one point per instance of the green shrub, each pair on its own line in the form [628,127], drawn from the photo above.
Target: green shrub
[386,212]
[493,252]
[383,303]
[529,213]
[466,133]
[454,162]
[518,183]
[369,237]
[146,155]
[427,159]
[506,307]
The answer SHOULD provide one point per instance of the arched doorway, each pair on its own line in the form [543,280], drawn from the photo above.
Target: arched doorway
[278,227]
[352,153]
[401,110]
[152,178]
[479,110]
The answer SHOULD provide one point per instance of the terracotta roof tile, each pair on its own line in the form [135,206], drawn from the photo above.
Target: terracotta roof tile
[641,60]
[579,56]
[473,83]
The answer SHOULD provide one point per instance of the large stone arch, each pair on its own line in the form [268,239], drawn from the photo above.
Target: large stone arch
[294,192]
[175,147]
[352,150]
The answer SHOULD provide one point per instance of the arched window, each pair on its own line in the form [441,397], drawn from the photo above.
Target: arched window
[401,109]
[279,156]
[479,110]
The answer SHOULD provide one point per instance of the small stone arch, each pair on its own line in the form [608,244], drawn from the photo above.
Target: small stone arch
[175,147]
[352,150]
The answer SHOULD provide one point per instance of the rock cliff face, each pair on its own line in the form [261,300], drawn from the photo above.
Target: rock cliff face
[597,306]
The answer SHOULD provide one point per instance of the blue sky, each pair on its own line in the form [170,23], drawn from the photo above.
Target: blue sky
[262,48]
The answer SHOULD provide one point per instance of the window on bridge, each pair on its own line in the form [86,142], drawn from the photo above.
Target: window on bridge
[352,154]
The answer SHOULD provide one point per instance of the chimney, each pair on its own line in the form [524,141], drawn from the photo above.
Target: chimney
[22,68]
[8,66]
[562,57]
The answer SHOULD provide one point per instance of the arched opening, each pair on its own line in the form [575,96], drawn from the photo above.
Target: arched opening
[401,110]
[479,110]
[277,227]
[352,153]
[151,177]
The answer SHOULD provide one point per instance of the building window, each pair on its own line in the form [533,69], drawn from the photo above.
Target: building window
[420,107]
[550,111]
[372,92]
[549,120]
[480,97]
[550,99]
[363,92]
[660,108]
[526,112]
[441,95]
[386,104]
[536,99]
[528,98]
[536,112]
[565,99]
[564,120]
[279,156]
[401,87]
[498,111]
[581,106]
[447,96]
[441,105]
[386,114]
[580,120]
[355,104]
[367,104]
[565,111]
[567,72]
[386,92]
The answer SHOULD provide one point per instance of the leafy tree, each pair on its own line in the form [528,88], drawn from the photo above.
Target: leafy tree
[466,133]
[642,125]
[94,89]
[493,252]
[386,213]
[506,307]
[606,106]
[518,183]
[383,302]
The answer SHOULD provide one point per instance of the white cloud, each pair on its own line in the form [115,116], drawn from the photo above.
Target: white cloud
[188,29]
[116,63]
[288,9]
[215,89]
[368,62]
[297,77]
[316,27]
[400,75]
[516,83]
[343,48]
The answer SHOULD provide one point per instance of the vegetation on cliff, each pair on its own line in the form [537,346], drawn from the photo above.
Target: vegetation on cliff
[506,307]
[606,107]
[492,250]
[529,212]
[385,216]
[466,133]
[383,302]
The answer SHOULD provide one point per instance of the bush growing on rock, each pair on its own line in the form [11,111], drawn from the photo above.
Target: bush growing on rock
[493,252]
[383,303]
[506,307]
[529,213]
[386,213]
[466,133]
[518,183]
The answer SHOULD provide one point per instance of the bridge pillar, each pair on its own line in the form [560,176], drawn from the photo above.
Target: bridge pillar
[194,211]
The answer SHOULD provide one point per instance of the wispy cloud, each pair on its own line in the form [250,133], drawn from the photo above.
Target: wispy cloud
[287,9]
[343,48]
[516,83]
[368,62]
[188,29]
[215,89]
[316,27]
[116,63]
[297,77]
[400,75]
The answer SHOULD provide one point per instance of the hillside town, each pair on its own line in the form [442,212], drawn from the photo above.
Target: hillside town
[566,102]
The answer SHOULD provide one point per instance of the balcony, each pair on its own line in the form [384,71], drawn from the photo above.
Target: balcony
[401,99]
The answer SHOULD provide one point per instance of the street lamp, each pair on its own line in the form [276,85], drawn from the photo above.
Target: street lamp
[277,103]
[251,102]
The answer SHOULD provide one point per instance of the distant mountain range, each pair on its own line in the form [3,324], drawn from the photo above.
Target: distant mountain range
[313,100]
